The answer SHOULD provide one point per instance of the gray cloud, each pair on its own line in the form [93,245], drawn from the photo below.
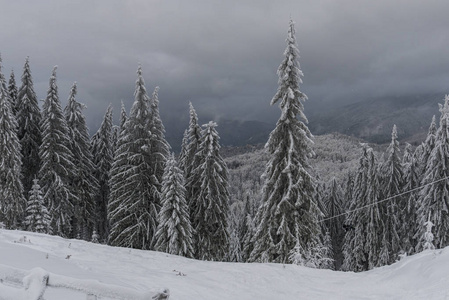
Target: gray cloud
[223,55]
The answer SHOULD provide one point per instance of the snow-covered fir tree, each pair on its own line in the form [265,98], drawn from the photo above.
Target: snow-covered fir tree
[428,236]
[4,84]
[191,142]
[348,189]
[434,196]
[159,147]
[247,228]
[37,216]
[102,146]
[363,219]
[286,213]
[375,237]
[210,183]
[12,200]
[84,183]
[174,232]
[426,149]
[12,92]
[29,131]
[411,182]
[235,252]
[183,153]
[335,218]
[316,256]
[190,146]
[133,206]
[393,209]
[57,169]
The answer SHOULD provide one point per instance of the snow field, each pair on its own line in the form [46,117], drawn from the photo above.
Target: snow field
[422,276]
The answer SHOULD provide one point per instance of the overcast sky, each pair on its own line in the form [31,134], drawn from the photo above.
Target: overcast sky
[223,55]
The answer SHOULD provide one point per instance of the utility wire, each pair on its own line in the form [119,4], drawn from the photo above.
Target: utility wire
[383,200]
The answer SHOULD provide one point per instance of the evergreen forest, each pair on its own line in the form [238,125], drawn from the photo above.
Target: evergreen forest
[324,202]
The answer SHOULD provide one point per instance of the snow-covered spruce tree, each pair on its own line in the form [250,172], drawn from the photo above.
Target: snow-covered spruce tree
[56,173]
[4,84]
[428,236]
[426,149]
[235,252]
[174,232]
[247,228]
[12,201]
[84,183]
[12,92]
[29,131]
[287,196]
[363,220]
[210,183]
[123,116]
[411,182]
[37,216]
[184,142]
[102,157]
[393,209]
[348,191]
[187,162]
[133,206]
[434,196]
[191,142]
[334,208]
[373,215]
[159,147]
[117,129]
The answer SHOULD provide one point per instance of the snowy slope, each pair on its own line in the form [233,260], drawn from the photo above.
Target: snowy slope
[422,276]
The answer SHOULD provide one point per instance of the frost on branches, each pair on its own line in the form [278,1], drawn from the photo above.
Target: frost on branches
[286,217]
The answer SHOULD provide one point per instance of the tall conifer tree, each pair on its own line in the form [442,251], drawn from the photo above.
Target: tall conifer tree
[12,201]
[84,183]
[363,220]
[190,146]
[57,169]
[102,146]
[210,182]
[29,131]
[411,180]
[174,232]
[286,212]
[393,209]
[133,205]
[434,196]
[159,147]
[334,209]
[12,92]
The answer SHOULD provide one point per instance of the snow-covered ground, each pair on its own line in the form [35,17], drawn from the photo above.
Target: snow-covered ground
[78,263]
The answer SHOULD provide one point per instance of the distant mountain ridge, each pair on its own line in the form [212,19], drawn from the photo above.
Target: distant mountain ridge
[370,120]
[373,120]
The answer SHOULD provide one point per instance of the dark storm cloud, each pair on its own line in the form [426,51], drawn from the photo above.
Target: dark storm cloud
[223,55]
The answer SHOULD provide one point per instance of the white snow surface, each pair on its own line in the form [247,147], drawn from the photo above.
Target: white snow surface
[113,270]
